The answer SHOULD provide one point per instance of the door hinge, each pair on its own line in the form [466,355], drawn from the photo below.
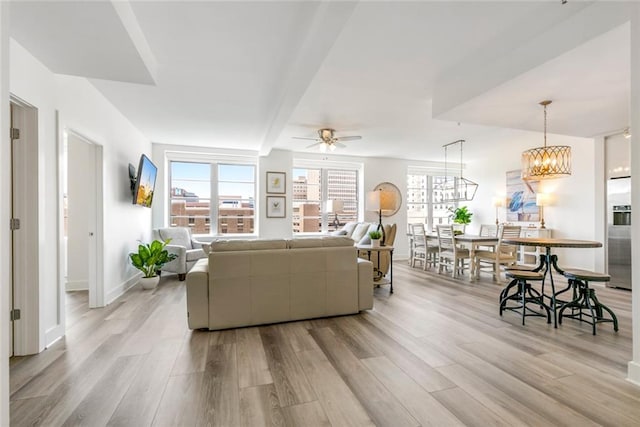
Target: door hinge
[14,133]
[14,224]
[15,314]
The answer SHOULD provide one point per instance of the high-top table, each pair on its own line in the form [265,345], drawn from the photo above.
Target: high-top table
[547,260]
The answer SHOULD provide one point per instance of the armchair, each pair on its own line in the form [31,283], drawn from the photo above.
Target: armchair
[184,246]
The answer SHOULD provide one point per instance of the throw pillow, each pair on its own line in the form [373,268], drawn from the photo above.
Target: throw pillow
[339,233]
[366,240]
[360,231]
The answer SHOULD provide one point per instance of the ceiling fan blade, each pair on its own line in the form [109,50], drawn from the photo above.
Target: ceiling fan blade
[314,145]
[303,137]
[348,138]
[337,144]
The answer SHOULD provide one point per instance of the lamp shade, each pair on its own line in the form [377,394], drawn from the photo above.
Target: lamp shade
[498,202]
[335,206]
[542,199]
[387,200]
[373,200]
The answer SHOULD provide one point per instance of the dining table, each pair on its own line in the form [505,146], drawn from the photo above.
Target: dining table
[549,262]
[473,242]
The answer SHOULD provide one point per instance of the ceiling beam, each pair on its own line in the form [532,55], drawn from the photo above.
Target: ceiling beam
[323,31]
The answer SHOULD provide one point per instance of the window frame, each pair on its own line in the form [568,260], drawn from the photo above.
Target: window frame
[214,161]
[324,167]
[431,175]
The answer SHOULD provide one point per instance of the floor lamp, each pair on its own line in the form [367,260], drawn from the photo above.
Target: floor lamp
[379,201]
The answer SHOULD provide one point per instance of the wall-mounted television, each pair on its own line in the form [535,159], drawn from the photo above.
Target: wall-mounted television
[145,182]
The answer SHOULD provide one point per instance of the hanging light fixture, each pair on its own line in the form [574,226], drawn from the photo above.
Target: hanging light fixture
[553,161]
[456,188]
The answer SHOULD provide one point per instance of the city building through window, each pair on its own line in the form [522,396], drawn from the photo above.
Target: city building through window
[313,188]
[424,199]
[212,196]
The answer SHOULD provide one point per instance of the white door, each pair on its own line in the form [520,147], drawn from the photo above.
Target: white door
[83,201]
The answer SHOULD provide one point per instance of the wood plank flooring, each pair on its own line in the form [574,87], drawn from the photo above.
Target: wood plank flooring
[436,352]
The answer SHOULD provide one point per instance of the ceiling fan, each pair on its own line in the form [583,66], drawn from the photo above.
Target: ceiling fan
[327,140]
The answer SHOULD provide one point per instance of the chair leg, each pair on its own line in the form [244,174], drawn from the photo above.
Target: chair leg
[182,276]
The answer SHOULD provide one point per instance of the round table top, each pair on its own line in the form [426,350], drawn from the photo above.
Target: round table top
[552,243]
[374,248]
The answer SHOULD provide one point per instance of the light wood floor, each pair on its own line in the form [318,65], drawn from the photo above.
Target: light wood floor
[436,352]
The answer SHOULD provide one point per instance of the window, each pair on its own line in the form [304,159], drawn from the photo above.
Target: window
[212,196]
[423,199]
[313,188]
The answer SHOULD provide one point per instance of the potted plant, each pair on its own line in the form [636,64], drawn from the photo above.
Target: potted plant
[460,215]
[375,237]
[149,259]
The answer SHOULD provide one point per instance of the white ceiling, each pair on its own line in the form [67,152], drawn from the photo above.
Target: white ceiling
[250,75]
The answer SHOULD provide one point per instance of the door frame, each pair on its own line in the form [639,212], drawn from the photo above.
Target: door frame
[96,250]
[26,263]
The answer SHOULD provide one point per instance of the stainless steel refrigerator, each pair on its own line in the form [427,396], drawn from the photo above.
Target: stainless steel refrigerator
[619,232]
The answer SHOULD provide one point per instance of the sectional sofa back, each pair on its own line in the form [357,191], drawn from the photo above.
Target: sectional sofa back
[267,281]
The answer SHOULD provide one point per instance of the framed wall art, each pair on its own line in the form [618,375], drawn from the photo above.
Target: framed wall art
[276,207]
[276,182]
[521,198]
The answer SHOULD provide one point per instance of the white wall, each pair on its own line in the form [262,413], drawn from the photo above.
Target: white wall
[33,83]
[84,110]
[574,205]
[80,156]
[5,207]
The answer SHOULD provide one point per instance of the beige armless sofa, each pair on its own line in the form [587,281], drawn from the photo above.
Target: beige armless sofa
[254,282]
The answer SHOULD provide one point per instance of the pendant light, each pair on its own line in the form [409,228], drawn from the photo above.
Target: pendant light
[553,161]
[456,189]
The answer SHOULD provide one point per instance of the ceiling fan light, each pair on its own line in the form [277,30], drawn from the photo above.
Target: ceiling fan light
[323,147]
[332,147]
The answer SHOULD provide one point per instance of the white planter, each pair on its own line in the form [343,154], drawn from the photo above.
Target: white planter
[149,282]
[375,243]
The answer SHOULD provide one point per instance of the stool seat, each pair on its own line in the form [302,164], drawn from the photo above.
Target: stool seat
[590,276]
[518,267]
[524,274]
[585,306]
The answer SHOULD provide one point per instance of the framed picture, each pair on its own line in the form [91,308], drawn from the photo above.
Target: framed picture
[521,198]
[276,207]
[276,182]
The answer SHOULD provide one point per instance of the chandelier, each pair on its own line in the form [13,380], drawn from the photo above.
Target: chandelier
[456,188]
[546,162]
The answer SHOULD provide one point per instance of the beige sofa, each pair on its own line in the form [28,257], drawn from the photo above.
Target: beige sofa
[253,282]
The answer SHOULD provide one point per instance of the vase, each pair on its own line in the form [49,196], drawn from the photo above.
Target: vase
[149,282]
[375,243]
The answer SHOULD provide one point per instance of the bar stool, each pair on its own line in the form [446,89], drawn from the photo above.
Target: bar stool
[524,294]
[514,282]
[586,299]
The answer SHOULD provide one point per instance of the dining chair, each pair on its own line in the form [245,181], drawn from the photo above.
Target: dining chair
[421,250]
[502,254]
[490,230]
[449,252]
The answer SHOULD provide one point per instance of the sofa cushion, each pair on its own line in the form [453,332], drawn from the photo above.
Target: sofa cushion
[336,241]
[195,254]
[305,242]
[245,245]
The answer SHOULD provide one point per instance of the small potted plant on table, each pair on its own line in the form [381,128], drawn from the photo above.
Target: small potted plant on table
[149,259]
[375,237]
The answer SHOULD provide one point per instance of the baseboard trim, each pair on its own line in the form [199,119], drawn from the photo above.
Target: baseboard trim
[119,290]
[77,285]
[633,373]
